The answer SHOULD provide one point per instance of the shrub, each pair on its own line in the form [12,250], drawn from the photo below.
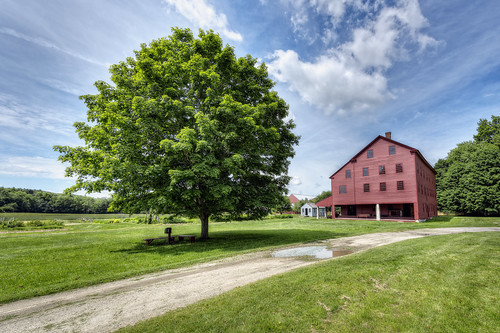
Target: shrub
[282,216]
[35,223]
[10,223]
[174,219]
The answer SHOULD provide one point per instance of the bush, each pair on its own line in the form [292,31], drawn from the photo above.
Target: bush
[10,223]
[35,224]
[282,216]
[174,219]
[107,221]
[232,218]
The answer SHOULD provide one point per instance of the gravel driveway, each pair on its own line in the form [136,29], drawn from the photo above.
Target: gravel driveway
[107,307]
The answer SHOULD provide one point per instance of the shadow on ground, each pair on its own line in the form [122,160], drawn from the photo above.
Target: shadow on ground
[235,241]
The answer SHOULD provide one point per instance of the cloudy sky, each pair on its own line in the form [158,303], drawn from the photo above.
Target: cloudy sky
[350,70]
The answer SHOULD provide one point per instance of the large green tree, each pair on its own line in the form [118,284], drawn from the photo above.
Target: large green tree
[468,179]
[322,195]
[187,128]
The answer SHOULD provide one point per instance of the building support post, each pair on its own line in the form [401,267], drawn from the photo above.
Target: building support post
[377,211]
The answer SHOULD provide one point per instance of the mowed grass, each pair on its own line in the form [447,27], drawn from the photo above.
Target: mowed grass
[40,263]
[436,284]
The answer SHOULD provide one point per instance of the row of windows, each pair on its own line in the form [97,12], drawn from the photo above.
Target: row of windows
[426,191]
[382,186]
[425,175]
[381,170]
[392,151]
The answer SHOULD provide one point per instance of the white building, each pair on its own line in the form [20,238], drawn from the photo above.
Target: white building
[311,210]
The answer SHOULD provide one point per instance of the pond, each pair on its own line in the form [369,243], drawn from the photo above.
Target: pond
[319,252]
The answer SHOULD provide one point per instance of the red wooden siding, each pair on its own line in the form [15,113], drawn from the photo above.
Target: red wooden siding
[426,191]
[417,176]
[327,202]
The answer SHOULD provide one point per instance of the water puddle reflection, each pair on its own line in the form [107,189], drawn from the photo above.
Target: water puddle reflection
[319,252]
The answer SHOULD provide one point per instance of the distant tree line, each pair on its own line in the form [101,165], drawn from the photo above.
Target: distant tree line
[37,201]
[468,179]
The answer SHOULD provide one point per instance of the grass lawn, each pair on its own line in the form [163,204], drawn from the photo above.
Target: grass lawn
[38,263]
[437,284]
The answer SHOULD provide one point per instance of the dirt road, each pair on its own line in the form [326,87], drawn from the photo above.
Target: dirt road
[107,307]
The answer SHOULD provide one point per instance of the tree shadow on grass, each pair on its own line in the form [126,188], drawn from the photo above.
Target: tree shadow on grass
[441,218]
[235,241]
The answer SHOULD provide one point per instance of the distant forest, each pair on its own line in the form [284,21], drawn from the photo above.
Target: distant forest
[37,201]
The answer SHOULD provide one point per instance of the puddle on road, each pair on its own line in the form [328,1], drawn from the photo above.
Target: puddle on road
[319,252]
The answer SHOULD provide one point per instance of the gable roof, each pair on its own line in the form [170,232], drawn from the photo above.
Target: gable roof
[380,137]
[293,199]
[326,202]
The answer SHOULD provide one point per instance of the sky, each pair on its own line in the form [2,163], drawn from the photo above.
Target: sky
[350,70]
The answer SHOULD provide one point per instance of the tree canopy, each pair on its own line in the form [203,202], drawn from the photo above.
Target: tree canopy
[322,195]
[468,179]
[37,201]
[186,128]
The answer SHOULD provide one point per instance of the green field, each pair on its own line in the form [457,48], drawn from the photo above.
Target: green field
[38,263]
[61,217]
[437,284]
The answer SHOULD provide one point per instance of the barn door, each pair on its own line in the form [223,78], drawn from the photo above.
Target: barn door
[407,210]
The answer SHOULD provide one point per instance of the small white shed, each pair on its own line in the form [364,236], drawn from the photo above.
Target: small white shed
[309,209]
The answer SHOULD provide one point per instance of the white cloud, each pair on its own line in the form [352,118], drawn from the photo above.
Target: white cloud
[334,9]
[32,119]
[203,14]
[330,83]
[295,181]
[66,87]
[32,166]
[350,77]
[48,44]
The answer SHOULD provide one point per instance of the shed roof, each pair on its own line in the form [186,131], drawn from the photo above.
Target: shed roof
[310,204]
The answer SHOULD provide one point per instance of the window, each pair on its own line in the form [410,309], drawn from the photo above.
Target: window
[382,187]
[392,150]
[366,187]
[348,174]
[381,170]
[370,153]
[399,167]
[401,185]
[365,171]
[342,189]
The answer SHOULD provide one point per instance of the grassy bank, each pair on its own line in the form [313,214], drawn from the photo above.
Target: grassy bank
[435,284]
[40,263]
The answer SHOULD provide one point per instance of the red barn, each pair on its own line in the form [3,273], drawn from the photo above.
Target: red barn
[386,179]
[293,199]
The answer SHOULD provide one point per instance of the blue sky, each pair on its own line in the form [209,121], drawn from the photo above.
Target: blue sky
[350,70]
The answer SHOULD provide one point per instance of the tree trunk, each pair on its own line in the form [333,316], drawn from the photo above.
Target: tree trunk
[204,225]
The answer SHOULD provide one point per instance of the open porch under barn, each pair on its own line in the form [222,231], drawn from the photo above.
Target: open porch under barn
[402,211]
